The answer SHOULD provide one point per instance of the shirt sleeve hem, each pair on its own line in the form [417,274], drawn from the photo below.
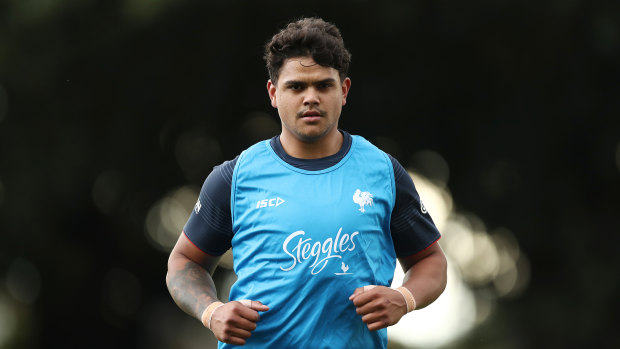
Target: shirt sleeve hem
[202,249]
[407,254]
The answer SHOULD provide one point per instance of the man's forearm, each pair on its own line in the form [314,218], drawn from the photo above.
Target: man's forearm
[191,286]
[427,279]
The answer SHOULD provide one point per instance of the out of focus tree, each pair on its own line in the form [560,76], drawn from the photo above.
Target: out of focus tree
[106,107]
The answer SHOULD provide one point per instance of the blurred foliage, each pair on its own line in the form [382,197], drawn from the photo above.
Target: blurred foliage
[519,97]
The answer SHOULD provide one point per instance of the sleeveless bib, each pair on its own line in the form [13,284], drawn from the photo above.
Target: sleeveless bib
[304,240]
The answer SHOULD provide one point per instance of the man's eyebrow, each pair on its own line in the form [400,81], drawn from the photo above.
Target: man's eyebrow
[304,83]
[326,81]
[294,82]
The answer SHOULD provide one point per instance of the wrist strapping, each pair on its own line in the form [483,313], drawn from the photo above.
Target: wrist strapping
[208,313]
[411,304]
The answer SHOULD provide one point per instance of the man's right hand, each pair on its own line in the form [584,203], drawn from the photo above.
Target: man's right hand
[234,321]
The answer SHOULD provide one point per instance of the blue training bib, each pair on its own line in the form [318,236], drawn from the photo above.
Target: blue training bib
[304,240]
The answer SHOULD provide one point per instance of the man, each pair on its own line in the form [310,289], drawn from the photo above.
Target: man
[315,217]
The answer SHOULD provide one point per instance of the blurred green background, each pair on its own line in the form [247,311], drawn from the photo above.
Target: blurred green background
[113,112]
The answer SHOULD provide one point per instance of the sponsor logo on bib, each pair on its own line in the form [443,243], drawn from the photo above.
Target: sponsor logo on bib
[302,249]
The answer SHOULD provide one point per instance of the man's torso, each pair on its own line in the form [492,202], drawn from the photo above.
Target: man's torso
[304,240]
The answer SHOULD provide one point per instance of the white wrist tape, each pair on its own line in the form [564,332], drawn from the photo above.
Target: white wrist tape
[411,304]
[208,313]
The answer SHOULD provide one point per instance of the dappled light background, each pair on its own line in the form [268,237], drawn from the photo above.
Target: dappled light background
[505,113]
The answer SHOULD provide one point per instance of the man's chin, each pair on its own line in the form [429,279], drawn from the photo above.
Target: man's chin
[311,135]
[309,138]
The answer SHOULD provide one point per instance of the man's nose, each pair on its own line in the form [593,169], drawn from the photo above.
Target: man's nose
[311,97]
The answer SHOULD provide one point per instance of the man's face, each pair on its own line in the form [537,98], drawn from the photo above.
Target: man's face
[309,98]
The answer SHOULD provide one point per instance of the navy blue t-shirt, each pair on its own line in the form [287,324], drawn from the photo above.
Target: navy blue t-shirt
[210,229]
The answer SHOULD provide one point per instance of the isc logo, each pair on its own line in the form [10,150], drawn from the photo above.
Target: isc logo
[275,202]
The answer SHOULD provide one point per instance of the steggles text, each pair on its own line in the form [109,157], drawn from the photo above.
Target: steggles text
[322,252]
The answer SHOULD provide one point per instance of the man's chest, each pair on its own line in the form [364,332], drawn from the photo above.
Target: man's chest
[319,223]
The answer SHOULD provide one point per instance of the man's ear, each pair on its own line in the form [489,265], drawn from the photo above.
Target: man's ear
[346,86]
[271,90]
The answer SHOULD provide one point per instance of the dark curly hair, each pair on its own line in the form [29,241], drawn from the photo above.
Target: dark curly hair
[307,37]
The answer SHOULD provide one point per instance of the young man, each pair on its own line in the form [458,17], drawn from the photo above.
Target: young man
[315,217]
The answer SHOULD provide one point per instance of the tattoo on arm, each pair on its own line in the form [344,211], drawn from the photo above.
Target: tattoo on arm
[192,288]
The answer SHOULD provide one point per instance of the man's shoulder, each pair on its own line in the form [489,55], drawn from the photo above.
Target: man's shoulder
[363,144]
[226,168]
[253,150]
[220,176]
[398,169]
[362,141]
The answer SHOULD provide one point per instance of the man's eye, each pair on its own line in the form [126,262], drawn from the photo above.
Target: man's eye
[325,85]
[295,87]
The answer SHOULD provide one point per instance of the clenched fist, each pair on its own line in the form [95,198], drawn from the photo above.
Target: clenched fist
[234,321]
[379,306]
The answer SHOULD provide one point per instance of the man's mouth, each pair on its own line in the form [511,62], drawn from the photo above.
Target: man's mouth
[311,115]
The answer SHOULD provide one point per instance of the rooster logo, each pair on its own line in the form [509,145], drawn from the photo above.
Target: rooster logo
[344,268]
[362,198]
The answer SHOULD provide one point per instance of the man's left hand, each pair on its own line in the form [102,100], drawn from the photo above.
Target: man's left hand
[379,306]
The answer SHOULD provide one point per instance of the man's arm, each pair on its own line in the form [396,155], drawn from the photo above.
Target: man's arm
[188,278]
[425,274]
[425,278]
[191,286]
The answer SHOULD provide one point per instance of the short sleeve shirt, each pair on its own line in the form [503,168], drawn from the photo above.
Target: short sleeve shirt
[210,227]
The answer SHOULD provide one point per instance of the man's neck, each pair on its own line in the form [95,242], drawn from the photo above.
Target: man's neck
[328,145]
